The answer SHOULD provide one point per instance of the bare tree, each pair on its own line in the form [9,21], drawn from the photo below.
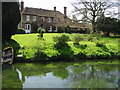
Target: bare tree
[91,9]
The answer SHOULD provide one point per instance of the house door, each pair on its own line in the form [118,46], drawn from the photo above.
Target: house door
[27,28]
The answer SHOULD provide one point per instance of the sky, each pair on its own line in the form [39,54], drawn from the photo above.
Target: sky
[49,4]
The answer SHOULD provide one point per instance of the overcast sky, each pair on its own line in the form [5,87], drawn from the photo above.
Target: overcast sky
[49,4]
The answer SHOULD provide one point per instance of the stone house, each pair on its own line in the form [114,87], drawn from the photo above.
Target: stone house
[50,20]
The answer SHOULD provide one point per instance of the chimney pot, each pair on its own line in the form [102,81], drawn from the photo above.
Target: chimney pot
[54,8]
[65,11]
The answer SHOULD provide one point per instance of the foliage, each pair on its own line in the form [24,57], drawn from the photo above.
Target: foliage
[39,47]
[77,38]
[91,38]
[100,43]
[91,10]
[61,40]
[10,19]
[20,31]
[108,25]
[68,30]
[40,31]
[51,49]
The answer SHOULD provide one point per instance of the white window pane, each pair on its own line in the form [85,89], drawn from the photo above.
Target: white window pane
[43,18]
[34,18]
[27,18]
[49,19]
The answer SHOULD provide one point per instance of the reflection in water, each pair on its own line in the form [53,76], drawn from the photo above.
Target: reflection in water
[20,75]
[61,75]
[48,81]
[10,77]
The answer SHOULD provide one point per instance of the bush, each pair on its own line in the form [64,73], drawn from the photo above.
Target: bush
[83,46]
[61,40]
[91,38]
[77,38]
[40,31]
[65,54]
[20,31]
[100,43]
[68,30]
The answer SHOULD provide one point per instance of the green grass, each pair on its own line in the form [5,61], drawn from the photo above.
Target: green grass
[31,44]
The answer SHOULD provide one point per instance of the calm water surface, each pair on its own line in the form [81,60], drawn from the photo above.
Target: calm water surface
[61,75]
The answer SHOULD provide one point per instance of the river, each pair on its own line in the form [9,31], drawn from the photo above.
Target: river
[61,75]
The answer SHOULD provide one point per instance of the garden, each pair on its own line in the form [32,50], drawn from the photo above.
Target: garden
[65,47]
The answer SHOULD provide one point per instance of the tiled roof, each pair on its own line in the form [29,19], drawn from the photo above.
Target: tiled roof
[41,12]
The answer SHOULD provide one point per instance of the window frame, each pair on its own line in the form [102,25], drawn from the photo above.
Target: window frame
[43,18]
[34,18]
[27,17]
[49,19]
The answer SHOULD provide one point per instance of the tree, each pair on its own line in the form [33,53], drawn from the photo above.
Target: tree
[108,25]
[10,19]
[74,18]
[91,9]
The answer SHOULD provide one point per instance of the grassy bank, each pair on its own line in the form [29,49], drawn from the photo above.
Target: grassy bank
[44,49]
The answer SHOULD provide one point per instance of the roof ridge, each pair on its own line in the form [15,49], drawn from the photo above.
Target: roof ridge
[41,9]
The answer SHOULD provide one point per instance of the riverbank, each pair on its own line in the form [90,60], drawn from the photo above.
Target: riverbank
[90,47]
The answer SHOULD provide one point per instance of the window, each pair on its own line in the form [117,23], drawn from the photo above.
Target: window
[43,18]
[56,20]
[49,19]
[27,28]
[50,29]
[55,29]
[34,18]
[27,18]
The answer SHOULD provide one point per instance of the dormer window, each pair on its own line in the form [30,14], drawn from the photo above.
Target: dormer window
[49,19]
[34,18]
[27,18]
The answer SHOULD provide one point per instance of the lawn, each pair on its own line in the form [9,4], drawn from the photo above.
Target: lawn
[32,46]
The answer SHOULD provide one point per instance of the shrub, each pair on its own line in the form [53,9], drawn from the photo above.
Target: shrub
[100,43]
[20,31]
[61,40]
[83,46]
[65,54]
[40,31]
[39,47]
[68,30]
[91,38]
[96,34]
[77,38]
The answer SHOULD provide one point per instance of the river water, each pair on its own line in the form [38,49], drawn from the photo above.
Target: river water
[61,75]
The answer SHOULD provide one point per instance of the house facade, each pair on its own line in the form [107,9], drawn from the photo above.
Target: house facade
[50,20]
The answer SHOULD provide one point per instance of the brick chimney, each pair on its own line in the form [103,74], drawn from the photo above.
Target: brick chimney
[65,11]
[54,8]
[22,5]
